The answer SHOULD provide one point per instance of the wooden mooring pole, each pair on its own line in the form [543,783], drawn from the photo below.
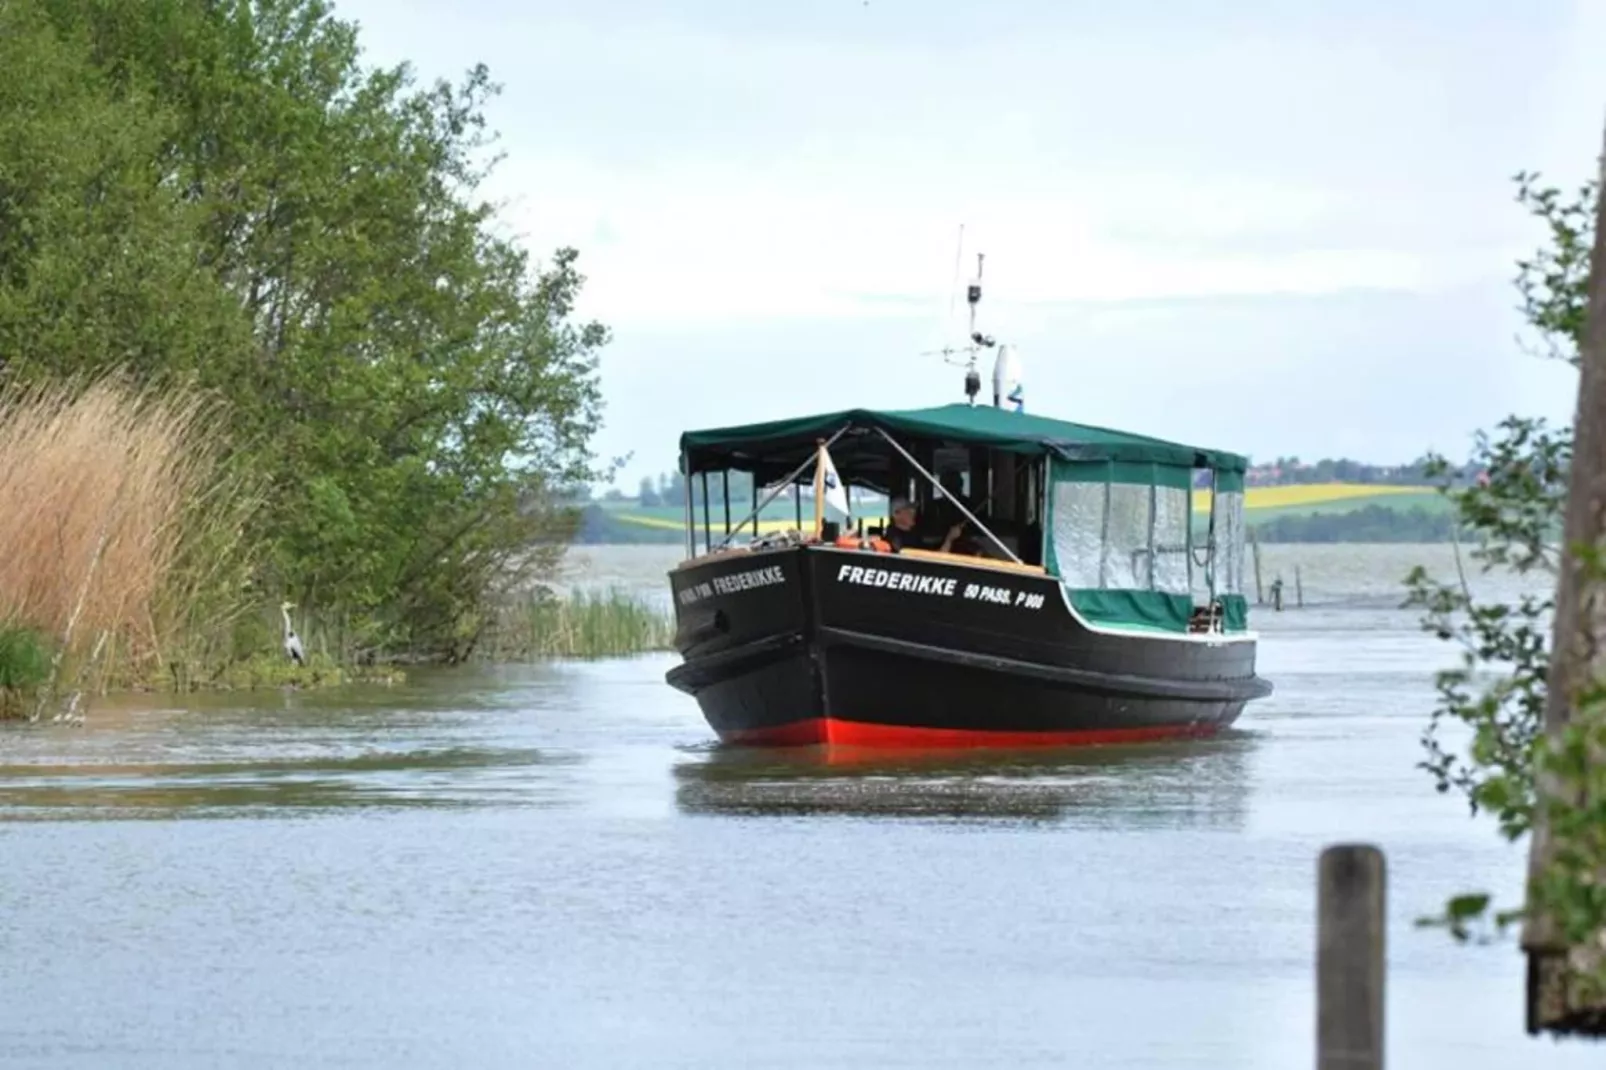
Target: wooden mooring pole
[1350,928]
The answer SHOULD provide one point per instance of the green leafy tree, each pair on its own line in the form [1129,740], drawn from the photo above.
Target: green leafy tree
[98,261]
[255,209]
[1498,692]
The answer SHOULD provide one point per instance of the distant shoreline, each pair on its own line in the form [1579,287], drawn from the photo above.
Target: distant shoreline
[1291,513]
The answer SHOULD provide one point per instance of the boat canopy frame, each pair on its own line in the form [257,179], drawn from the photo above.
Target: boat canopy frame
[1125,475]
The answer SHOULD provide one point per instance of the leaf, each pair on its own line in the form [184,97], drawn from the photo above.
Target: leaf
[1465,907]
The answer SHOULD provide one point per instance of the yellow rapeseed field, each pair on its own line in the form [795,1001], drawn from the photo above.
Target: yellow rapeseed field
[764,526]
[1304,494]
[1296,494]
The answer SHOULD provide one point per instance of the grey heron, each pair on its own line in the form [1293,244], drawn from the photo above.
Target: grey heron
[292,642]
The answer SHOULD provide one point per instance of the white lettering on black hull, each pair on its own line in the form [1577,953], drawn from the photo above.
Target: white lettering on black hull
[731,584]
[941,586]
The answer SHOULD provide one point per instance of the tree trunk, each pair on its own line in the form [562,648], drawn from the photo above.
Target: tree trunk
[1557,1003]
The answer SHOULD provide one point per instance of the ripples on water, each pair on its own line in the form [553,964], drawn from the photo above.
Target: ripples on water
[555,866]
[1188,784]
[250,754]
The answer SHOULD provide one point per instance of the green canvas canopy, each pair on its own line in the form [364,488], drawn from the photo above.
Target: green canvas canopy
[772,449]
[1117,523]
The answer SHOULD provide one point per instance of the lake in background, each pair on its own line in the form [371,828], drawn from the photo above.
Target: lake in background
[554,866]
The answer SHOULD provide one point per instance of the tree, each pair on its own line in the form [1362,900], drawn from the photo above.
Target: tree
[1515,517]
[1565,930]
[303,236]
[98,261]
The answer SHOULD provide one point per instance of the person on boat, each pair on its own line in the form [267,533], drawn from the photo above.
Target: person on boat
[905,532]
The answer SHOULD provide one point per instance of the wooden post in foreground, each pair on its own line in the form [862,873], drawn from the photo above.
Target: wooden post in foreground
[1350,928]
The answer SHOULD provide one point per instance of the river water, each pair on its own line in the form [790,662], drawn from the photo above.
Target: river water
[553,866]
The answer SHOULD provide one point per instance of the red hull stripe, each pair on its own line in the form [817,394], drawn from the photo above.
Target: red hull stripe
[829,730]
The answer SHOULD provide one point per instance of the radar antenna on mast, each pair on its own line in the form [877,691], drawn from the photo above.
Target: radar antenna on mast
[977,339]
[1005,372]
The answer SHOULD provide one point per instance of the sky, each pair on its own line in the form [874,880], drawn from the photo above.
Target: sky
[1279,228]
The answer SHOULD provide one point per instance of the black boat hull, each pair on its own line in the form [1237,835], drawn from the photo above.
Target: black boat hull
[820,645]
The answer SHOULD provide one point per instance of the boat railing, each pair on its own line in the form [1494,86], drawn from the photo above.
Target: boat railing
[793,539]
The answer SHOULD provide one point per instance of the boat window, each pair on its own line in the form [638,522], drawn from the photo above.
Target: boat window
[1127,563]
[1078,531]
[1171,520]
[1200,561]
[1229,506]
[1121,527]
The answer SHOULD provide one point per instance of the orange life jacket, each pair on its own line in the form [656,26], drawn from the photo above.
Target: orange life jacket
[871,542]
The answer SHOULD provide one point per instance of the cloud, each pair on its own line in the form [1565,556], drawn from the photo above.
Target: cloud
[1291,223]
[697,246]
[1373,375]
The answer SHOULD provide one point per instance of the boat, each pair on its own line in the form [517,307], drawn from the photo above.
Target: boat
[1077,606]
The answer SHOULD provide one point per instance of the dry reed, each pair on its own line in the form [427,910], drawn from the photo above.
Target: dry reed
[117,526]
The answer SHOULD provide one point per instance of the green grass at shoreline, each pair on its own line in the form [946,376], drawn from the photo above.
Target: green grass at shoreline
[537,626]
[584,624]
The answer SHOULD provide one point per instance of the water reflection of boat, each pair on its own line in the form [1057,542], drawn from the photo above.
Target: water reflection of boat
[1057,607]
[1168,785]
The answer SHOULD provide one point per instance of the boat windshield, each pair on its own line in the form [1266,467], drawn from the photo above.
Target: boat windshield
[995,495]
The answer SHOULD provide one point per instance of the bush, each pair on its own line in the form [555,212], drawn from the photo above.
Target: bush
[24,666]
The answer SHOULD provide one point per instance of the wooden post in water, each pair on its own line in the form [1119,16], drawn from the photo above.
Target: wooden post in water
[1350,928]
[1254,547]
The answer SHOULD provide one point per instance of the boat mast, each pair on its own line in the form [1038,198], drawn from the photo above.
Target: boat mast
[1008,388]
[977,339]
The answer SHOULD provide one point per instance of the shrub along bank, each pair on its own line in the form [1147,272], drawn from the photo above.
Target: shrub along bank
[250,286]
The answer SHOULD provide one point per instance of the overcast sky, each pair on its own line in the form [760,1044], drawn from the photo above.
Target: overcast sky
[1277,228]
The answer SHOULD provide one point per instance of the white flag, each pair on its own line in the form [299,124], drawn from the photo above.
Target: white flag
[836,495]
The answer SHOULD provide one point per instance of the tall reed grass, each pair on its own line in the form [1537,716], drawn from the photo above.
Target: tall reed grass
[123,532]
[586,624]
